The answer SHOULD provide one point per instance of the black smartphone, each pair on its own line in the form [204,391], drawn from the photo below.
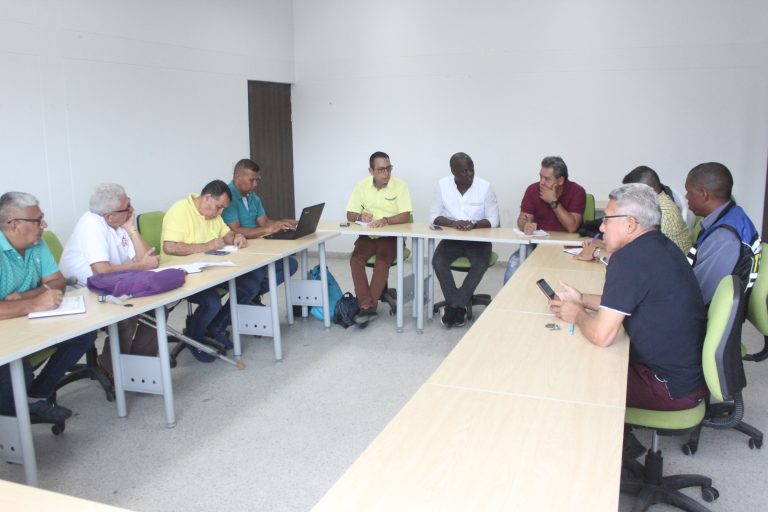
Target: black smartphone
[546,289]
[217,253]
[435,227]
[343,224]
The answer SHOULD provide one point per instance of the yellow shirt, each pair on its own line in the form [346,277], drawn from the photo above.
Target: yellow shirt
[385,202]
[672,223]
[183,223]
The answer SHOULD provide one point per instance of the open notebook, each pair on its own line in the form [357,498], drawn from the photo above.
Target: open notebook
[69,306]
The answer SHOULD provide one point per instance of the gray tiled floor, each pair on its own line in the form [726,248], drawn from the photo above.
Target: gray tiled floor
[276,435]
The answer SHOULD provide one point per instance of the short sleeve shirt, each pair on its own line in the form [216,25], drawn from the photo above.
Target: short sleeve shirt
[18,273]
[573,199]
[244,210]
[650,281]
[92,241]
[390,200]
[183,223]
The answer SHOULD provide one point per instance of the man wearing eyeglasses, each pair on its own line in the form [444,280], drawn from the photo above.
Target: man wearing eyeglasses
[377,201]
[462,202]
[649,289]
[192,226]
[30,281]
[105,239]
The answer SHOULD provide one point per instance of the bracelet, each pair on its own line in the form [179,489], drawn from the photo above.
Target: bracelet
[596,254]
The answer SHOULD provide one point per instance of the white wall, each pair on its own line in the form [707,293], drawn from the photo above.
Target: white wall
[606,84]
[149,94]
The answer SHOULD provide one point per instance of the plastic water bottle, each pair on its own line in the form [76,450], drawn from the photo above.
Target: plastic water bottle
[512,264]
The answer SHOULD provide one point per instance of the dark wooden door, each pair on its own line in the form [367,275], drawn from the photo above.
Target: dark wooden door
[269,118]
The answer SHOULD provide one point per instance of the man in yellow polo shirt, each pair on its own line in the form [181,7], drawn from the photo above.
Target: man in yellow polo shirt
[194,225]
[379,200]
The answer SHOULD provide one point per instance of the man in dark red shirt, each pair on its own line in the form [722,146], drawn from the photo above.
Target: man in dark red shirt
[554,203]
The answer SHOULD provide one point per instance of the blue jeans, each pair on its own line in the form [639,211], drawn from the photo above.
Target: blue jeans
[44,385]
[249,286]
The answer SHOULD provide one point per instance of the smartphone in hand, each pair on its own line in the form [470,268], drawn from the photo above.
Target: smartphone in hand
[546,289]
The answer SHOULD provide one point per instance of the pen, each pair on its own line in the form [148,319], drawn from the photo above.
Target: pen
[571,329]
[594,238]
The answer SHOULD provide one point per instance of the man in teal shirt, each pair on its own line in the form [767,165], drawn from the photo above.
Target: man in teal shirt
[245,213]
[31,281]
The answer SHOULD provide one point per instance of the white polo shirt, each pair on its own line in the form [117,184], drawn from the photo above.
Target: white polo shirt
[477,203]
[93,240]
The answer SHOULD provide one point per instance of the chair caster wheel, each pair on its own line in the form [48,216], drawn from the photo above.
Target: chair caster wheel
[689,448]
[709,494]
[58,428]
[755,443]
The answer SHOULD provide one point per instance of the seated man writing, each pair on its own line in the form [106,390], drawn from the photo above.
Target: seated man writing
[31,281]
[192,226]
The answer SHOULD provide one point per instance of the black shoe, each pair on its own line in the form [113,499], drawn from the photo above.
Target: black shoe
[365,315]
[201,356]
[449,316]
[222,338]
[460,320]
[256,301]
[47,411]
[632,448]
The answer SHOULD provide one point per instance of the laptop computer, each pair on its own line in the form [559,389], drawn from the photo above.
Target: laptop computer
[310,216]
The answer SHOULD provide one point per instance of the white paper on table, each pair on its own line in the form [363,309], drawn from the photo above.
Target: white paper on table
[228,248]
[198,266]
[361,223]
[538,232]
[69,306]
[574,250]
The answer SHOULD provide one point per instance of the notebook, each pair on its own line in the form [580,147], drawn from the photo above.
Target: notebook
[69,306]
[310,217]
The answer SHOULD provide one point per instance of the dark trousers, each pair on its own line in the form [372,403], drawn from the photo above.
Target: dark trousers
[44,385]
[478,253]
[385,249]
[646,391]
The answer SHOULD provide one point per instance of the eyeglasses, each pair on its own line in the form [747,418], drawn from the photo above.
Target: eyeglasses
[613,217]
[126,209]
[36,221]
[384,170]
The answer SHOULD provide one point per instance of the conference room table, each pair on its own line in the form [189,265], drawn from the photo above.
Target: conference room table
[23,336]
[519,416]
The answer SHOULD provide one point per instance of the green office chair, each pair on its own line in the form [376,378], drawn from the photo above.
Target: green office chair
[90,369]
[150,226]
[461,264]
[724,374]
[589,208]
[757,308]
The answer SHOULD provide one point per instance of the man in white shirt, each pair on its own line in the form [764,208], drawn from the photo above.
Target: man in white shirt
[462,202]
[105,240]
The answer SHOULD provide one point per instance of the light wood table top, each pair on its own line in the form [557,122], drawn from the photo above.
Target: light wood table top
[286,247]
[454,449]
[515,353]
[559,237]
[554,256]
[424,230]
[14,497]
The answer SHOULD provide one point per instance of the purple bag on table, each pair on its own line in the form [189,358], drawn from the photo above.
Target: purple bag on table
[136,283]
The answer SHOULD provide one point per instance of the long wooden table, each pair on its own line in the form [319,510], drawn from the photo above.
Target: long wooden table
[518,417]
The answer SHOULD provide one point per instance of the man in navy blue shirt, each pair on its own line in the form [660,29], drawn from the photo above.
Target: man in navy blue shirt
[650,289]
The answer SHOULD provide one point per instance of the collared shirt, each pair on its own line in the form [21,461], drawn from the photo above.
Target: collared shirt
[18,273]
[477,203]
[183,223]
[92,241]
[716,256]
[390,200]
[672,223]
[243,209]
[573,199]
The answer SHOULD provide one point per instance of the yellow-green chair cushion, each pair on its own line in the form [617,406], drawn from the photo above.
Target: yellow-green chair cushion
[150,226]
[39,358]
[461,264]
[54,244]
[665,420]
[589,208]
[372,260]
[757,309]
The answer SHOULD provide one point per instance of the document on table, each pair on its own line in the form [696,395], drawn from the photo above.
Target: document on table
[198,266]
[538,232]
[361,223]
[69,306]
[573,250]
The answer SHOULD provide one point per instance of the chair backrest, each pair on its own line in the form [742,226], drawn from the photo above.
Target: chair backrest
[757,308]
[589,208]
[54,244]
[150,225]
[721,354]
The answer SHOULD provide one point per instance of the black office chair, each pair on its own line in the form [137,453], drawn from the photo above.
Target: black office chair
[462,264]
[724,374]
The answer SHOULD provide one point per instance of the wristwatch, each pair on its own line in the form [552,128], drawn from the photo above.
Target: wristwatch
[596,254]
[554,204]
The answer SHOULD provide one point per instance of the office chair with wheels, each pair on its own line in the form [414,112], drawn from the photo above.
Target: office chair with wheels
[589,208]
[150,226]
[90,369]
[389,295]
[757,309]
[461,264]
[724,375]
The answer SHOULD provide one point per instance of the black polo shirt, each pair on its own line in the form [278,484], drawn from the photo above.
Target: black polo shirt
[650,281]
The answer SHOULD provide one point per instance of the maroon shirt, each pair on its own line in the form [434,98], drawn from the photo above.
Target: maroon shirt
[573,199]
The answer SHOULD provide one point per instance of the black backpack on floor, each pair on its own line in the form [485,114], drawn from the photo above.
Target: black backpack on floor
[345,311]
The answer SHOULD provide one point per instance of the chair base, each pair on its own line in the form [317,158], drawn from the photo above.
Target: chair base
[759,356]
[647,483]
[480,299]
[89,370]
[724,410]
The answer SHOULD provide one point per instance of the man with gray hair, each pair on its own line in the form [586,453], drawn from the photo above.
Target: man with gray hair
[106,240]
[649,289]
[31,281]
